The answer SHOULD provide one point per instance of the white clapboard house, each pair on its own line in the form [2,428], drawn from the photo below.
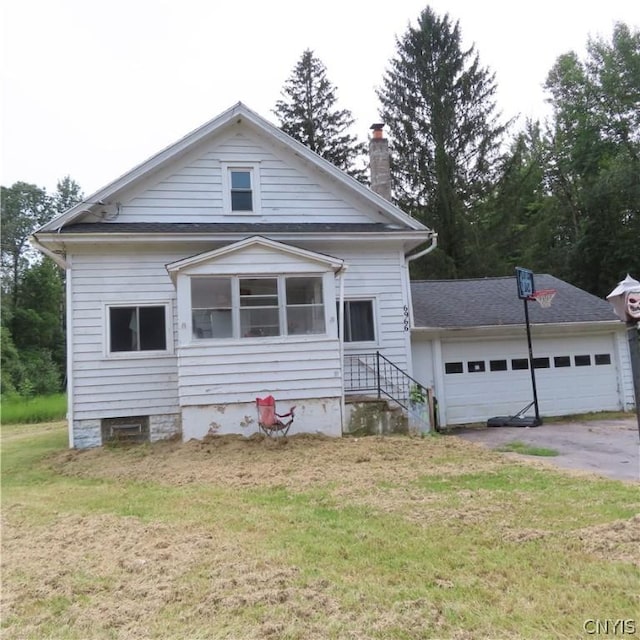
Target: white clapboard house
[234,264]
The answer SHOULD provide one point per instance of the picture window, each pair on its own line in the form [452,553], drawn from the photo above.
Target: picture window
[235,307]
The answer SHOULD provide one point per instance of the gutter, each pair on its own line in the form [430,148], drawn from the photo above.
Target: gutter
[58,258]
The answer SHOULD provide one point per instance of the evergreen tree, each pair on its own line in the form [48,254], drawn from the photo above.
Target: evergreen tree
[439,108]
[512,220]
[307,112]
[68,194]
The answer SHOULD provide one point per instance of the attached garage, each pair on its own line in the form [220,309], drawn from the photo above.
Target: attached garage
[469,344]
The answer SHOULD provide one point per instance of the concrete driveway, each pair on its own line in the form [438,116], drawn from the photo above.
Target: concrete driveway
[609,448]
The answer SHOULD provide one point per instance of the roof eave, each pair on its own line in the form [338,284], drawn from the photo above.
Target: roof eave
[410,237]
[174,150]
[493,328]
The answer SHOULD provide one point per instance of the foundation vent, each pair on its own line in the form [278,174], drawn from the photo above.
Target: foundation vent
[125,430]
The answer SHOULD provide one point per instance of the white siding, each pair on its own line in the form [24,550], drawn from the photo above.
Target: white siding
[118,386]
[227,371]
[192,191]
[243,370]
[239,370]
[376,272]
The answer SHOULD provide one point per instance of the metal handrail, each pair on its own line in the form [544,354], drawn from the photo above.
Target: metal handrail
[375,372]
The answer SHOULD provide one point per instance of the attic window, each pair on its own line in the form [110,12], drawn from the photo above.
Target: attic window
[241,191]
[240,187]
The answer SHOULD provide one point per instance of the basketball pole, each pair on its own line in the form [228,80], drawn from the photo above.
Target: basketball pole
[531,367]
[634,352]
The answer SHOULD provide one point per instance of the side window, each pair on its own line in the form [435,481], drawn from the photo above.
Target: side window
[359,324]
[137,328]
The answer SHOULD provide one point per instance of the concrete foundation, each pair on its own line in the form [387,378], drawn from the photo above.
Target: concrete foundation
[311,416]
[88,433]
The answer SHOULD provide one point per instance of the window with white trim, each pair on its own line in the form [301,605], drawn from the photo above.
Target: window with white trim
[255,307]
[359,324]
[137,328]
[240,182]
[241,187]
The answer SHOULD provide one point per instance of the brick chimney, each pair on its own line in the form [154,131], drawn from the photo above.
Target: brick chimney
[379,162]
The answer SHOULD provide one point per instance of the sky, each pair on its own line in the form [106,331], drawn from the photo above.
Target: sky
[91,89]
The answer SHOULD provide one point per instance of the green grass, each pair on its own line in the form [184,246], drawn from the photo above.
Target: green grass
[15,410]
[495,553]
[526,449]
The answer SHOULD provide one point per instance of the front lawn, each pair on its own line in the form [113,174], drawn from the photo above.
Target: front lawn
[307,538]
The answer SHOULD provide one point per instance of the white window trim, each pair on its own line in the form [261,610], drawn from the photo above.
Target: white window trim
[282,309]
[168,327]
[365,344]
[254,169]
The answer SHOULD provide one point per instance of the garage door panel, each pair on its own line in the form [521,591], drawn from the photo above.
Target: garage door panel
[473,397]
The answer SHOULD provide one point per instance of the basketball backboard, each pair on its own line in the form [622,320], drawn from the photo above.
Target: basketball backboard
[526,287]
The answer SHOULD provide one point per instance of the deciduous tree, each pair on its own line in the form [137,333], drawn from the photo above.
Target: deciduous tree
[594,168]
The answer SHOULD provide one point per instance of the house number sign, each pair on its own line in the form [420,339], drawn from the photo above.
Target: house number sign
[406,317]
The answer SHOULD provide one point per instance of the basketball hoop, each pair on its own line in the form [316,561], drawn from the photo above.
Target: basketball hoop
[543,297]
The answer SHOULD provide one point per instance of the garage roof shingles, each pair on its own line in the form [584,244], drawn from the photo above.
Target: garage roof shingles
[485,302]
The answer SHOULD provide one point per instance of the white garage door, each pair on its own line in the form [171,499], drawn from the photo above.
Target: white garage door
[491,378]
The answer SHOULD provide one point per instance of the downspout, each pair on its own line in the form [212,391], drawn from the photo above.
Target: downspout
[69,309]
[64,263]
[415,256]
[343,408]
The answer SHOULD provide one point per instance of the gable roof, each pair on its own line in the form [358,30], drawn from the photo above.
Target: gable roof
[486,302]
[237,113]
[335,264]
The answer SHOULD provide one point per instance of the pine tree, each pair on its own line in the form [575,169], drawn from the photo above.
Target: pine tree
[439,108]
[307,112]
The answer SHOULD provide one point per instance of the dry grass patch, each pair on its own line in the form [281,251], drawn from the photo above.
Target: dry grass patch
[307,537]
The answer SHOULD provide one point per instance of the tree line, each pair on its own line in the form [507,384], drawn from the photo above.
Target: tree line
[559,197]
